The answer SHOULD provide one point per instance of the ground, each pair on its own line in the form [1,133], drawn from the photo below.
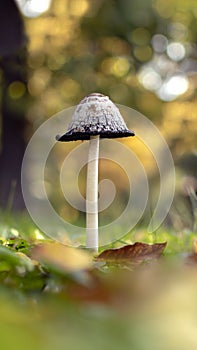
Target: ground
[57,297]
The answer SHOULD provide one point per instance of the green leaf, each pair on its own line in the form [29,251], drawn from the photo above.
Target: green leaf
[16,259]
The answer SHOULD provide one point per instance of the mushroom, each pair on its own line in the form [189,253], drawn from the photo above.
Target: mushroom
[96,116]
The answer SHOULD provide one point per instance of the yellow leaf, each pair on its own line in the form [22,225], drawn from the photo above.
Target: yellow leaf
[60,257]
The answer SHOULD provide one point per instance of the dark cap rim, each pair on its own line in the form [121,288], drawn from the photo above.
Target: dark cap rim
[75,136]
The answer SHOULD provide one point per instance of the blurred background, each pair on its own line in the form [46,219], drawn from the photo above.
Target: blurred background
[142,53]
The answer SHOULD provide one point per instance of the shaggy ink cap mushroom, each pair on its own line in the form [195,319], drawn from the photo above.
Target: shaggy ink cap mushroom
[95,115]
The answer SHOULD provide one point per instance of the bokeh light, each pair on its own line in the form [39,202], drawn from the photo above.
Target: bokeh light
[159,43]
[16,89]
[33,8]
[176,51]
[173,87]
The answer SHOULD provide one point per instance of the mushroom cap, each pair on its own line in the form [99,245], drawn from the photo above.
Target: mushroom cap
[96,114]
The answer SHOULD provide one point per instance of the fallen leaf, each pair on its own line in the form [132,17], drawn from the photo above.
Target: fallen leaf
[136,253]
[192,257]
[195,246]
[60,257]
[97,291]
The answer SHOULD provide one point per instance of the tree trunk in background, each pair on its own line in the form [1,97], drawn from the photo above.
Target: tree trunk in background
[13,66]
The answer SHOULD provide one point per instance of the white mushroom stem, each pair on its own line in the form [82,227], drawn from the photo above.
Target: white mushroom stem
[92,194]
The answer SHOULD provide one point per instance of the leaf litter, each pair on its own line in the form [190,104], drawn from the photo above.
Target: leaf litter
[133,253]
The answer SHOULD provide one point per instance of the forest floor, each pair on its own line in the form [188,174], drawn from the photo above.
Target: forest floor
[141,296]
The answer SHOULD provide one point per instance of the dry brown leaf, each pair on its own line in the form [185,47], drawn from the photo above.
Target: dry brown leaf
[60,257]
[136,253]
[97,291]
[192,257]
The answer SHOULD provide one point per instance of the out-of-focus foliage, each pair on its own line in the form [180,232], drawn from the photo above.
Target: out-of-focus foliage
[140,53]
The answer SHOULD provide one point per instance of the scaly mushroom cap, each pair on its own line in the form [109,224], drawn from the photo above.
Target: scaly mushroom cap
[96,114]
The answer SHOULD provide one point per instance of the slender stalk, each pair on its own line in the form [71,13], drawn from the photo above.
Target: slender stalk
[92,194]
